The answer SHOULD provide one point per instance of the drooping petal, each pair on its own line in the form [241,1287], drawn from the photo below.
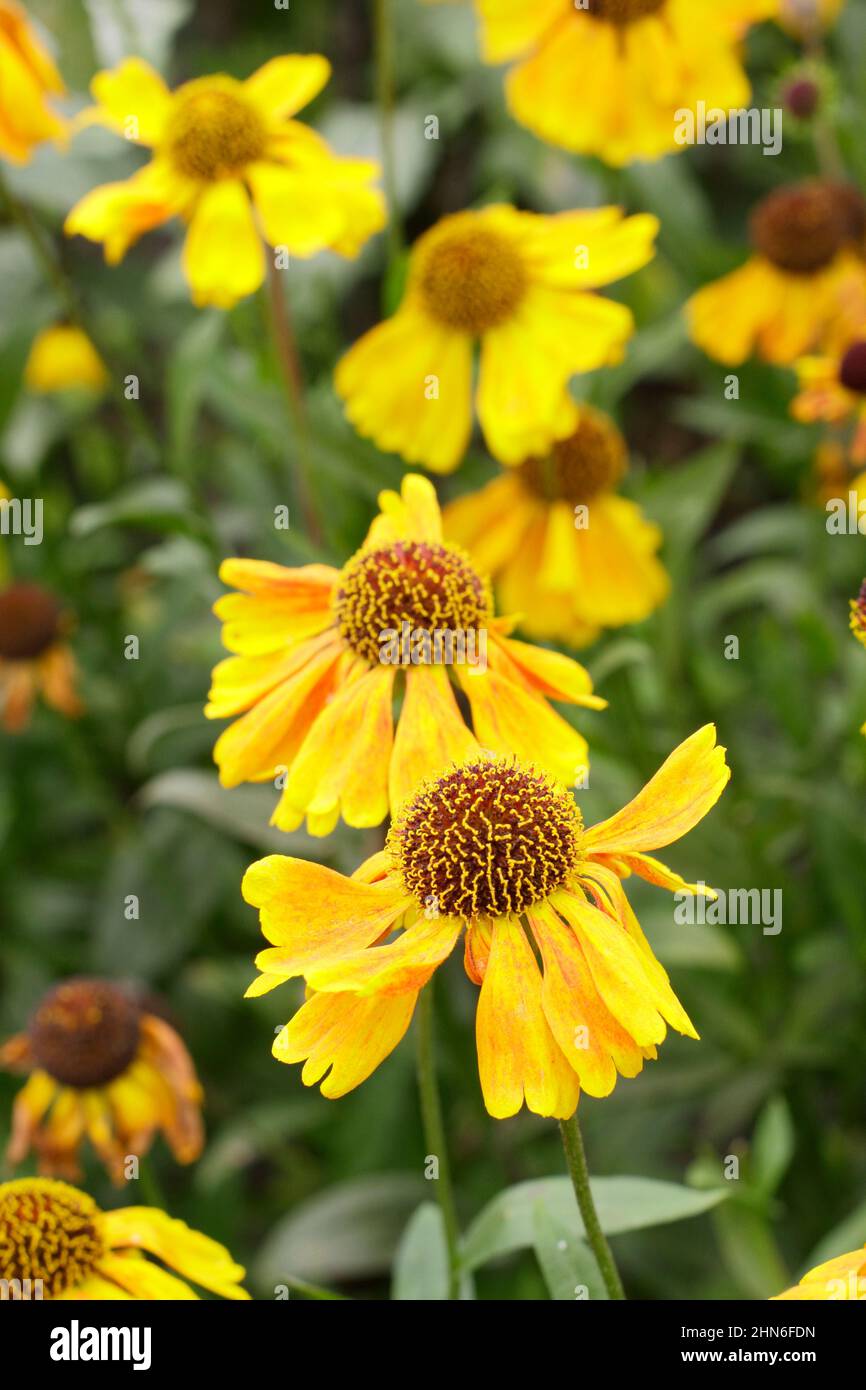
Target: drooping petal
[192,1254]
[551,673]
[403,965]
[349,1034]
[686,786]
[518,1056]
[431,733]
[507,718]
[117,214]
[143,1279]
[223,256]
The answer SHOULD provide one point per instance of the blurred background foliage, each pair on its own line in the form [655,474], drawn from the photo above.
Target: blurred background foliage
[125,800]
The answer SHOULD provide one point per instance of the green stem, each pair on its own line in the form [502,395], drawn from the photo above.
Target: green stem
[54,273]
[384,44]
[575,1154]
[288,358]
[315,1291]
[434,1133]
[150,1184]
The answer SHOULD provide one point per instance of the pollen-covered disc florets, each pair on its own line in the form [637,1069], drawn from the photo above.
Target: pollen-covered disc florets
[623,11]
[49,1233]
[85,1032]
[214,132]
[591,460]
[432,587]
[29,622]
[800,229]
[471,277]
[852,369]
[487,839]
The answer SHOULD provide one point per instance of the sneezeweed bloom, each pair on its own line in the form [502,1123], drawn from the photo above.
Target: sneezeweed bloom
[232,163]
[804,272]
[56,1243]
[495,849]
[566,551]
[62,358]
[101,1067]
[34,656]
[832,387]
[28,81]
[842,1279]
[321,654]
[641,64]
[519,284]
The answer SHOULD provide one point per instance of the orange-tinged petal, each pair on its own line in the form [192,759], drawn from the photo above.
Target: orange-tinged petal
[509,719]
[431,732]
[192,1254]
[680,794]
[241,681]
[349,1034]
[399,967]
[517,1054]
[311,914]
[552,674]
[117,214]
[303,585]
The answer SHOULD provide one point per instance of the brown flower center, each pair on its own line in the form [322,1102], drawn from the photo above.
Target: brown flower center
[623,11]
[591,460]
[85,1032]
[431,587]
[800,229]
[486,839]
[214,132]
[471,277]
[48,1233]
[29,621]
[852,369]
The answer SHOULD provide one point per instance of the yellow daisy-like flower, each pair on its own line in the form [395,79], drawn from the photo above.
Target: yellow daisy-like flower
[799,283]
[34,656]
[641,64]
[517,283]
[567,553]
[495,847]
[230,161]
[840,1280]
[63,358]
[56,1243]
[833,388]
[28,78]
[101,1066]
[319,654]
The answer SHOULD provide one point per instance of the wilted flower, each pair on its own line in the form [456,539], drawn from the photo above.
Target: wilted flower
[34,656]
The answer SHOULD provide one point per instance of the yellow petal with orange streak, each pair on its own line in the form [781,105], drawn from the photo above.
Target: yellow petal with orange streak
[518,1056]
[345,1036]
[311,914]
[550,673]
[509,719]
[402,965]
[431,733]
[687,785]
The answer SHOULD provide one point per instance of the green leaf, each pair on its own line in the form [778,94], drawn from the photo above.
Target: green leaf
[242,812]
[624,1204]
[421,1270]
[567,1263]
[159,504]
[773,1146]
[849,1235]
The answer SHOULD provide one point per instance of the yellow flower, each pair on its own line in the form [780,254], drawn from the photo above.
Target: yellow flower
[496,847]
[34,656]
[56,1243]
[858,615]
[568,554]
[840,1280]
[517,282]
[641,63]
[799,282]
[27,78]
[319,654]
[230,161]
[101,1066]
[61,358]
[833,388]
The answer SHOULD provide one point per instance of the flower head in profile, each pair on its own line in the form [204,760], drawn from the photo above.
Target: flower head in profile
[232,163]
[105,1067]
[34,656]
[56,1243]
[62,358]
[28,81]
[641,64]
[832,387]
[321,654]
[518,284]
[495,851]
[798,284]
[806,18]
[566,551]
[841,1280]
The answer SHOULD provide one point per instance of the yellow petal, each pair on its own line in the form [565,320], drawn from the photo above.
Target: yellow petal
[143,1279]
[284,85]
[399,967]
[509,719]
[552,674]
[431,733]
[133,100]
[347,1033]
[223,256]
[193,1255]
[410,514]
[117,214]
[62,357]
